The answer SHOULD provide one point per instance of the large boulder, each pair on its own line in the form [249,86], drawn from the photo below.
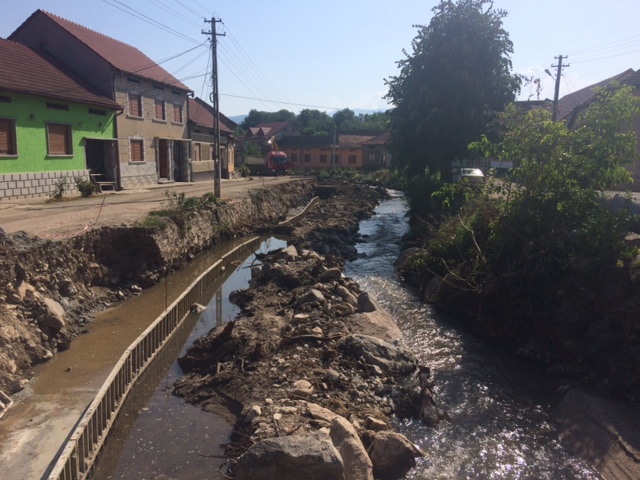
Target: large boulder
[357,464]
[392,359]
[392,455]
[297,457]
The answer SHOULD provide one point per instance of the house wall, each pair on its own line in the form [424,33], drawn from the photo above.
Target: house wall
[150,130]
[33,172]
[43,33]
[203,169]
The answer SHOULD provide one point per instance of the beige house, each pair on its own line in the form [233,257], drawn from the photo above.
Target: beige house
[201,132]
[151,133]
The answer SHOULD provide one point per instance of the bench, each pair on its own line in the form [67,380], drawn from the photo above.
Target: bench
[99,180]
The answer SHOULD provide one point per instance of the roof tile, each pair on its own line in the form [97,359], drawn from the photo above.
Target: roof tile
[34,73]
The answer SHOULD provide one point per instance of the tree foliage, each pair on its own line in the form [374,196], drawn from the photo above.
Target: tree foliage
[256,117]
[449,88]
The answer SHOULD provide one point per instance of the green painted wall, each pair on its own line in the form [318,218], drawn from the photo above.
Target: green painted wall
[31,115]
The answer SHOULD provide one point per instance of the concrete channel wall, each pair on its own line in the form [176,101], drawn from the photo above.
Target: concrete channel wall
[83,447]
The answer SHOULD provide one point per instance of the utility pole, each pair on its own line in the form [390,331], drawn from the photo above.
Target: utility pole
[217,191]
[556,95]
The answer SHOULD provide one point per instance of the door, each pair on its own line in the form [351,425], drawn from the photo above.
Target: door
[163,159]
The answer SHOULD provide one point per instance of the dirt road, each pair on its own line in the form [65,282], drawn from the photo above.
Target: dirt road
[74,216]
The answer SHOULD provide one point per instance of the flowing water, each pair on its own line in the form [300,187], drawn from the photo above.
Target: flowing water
[500,408]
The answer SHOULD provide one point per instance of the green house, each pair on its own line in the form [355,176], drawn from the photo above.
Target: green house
[52,125]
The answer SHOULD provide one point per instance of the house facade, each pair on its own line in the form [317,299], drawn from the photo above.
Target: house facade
[348,151]
[201,133]
[152,135]
[53,126]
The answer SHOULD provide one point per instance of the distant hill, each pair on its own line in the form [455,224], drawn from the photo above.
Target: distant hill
[238,118]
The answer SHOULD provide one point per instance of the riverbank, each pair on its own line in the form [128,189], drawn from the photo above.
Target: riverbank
[52,288]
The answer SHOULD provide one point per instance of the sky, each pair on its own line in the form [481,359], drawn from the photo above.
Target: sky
[335,54]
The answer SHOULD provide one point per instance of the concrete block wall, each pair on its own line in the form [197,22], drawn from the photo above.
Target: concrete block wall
[37,184]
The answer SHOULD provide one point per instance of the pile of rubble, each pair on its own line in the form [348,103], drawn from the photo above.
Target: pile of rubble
[314,371]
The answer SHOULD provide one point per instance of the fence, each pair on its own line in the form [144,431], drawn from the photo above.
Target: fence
[84,444]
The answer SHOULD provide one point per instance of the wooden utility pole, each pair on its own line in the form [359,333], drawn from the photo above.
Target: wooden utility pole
[556,94]
[215,99]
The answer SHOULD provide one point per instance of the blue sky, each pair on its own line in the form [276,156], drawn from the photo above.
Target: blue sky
[336,54]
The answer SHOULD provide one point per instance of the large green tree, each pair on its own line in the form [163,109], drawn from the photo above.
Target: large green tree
[457,77]
[256,117]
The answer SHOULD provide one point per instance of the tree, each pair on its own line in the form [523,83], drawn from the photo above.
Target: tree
[450,87]
[315,122]
[256,117]
[345,119]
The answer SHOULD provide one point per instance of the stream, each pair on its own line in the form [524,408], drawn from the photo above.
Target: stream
[500,407]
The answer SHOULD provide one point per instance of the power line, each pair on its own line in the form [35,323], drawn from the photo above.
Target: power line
[607,57]
[149,20]
[275,101]
[604,46]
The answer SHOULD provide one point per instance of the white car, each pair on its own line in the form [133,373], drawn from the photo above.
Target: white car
[473,176]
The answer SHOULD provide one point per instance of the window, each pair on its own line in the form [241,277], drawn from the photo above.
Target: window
[5,99]
[95,111]
[177,113]
[197,152]
[294,158]
[137,150]
[372,158]
[307,158]
[323,158]
[135,105]
[352,159]
[59,139]
[158,110]
[58,106]
[8,137]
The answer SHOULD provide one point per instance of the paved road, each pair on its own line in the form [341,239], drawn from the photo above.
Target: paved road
[73,217]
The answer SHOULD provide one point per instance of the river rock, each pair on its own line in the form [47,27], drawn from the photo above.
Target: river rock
[295,457]
[330,274]
[302,389]
[366,304]
[392,455]
[357,464]
[53,320]
[347,296]
[312,295]
[394,360]
[323,415]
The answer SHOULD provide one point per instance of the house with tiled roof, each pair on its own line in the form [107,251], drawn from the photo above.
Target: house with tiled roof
[201,132]
[53,124]
[375,153]
[348,150]
[152,135]
[570,106]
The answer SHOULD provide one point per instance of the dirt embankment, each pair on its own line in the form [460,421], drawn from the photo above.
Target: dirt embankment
[50,289]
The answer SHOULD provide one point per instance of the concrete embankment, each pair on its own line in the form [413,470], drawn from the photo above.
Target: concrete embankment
[52,288]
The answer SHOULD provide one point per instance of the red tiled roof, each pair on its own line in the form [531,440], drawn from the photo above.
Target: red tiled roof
[381,139]
[202,115]
[120,55]
[353,141]
[29,72]
[269,128]
[568,103]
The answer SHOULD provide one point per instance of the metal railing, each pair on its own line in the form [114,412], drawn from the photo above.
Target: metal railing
[83,446]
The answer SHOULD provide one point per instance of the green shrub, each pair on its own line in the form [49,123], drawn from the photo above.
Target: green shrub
[85,187]
[60,189]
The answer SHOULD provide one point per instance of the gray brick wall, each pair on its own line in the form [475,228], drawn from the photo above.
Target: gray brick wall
[33,185]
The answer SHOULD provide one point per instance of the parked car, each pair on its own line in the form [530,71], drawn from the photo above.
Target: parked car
[473,176]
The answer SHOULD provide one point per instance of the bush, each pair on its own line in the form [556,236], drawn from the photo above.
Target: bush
[60,189]
[85,187]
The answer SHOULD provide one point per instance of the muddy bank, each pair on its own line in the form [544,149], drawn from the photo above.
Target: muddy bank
[311,353]
[50,290]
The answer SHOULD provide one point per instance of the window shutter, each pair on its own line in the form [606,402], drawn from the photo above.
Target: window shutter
[6,137]
[177,113]
[135,109]
[136,150]
[59,143]
[159,109]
